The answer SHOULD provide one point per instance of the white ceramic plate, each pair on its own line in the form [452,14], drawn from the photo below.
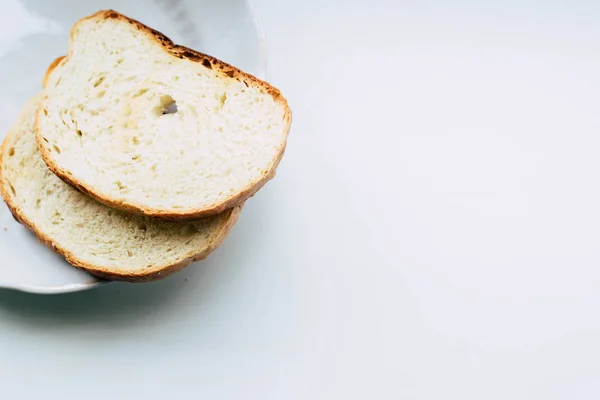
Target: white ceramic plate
[227,29]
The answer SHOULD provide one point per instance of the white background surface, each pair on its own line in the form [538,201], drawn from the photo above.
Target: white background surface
[433,231]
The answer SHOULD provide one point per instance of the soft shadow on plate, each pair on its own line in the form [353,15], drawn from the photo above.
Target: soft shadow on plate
[116,302]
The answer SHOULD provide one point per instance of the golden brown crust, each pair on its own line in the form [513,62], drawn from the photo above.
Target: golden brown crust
[155,273]
[209,62]
[50,69]
[3,192]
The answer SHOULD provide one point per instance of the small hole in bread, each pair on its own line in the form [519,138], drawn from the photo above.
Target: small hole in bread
[79,133]
[56,148]
[142,226]
[101,94]
[38,203]
[140,92]
[46,140]
[45,111]
[167,105]
[207,63]
[171,108]
[99,81]
[11,152]
[56,217]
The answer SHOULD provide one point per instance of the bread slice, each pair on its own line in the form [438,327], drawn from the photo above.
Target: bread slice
[108,124]
[108,243]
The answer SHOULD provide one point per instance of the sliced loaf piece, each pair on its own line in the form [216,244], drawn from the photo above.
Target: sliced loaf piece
[108,243]
[144,125]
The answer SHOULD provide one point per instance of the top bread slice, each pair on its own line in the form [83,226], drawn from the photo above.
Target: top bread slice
[108,243]
[144,125]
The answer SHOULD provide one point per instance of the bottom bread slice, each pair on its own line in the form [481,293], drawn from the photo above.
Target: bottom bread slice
[108,243]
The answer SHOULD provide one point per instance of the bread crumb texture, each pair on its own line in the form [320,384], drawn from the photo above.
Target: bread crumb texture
[142,124]
[106,242]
